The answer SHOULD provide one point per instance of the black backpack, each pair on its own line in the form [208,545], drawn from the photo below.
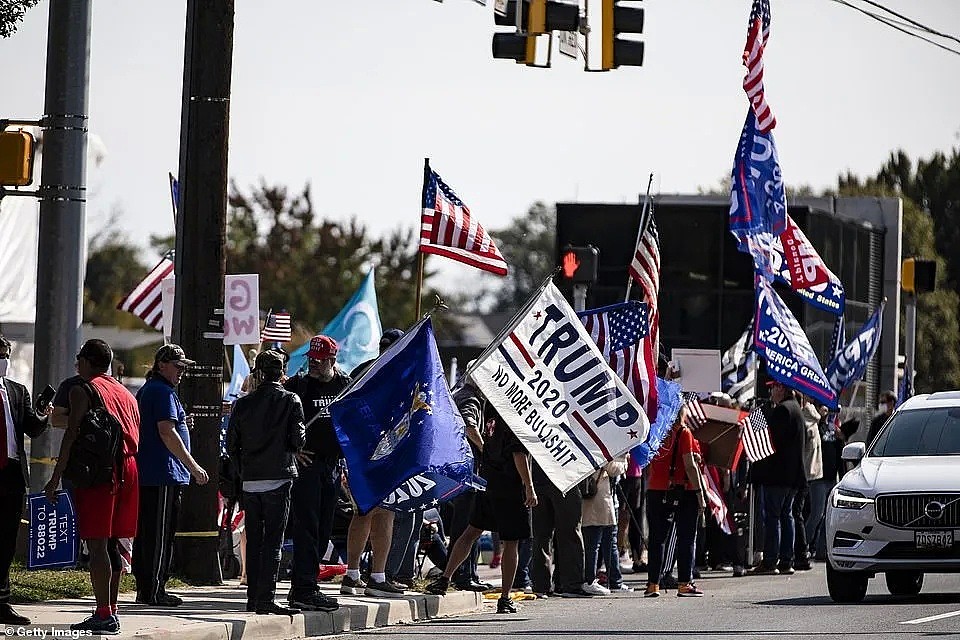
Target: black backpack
[95,452]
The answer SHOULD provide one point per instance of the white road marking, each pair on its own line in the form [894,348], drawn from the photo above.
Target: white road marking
[932,618]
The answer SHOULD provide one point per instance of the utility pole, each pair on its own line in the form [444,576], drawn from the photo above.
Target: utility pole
[200,266]
[62,210]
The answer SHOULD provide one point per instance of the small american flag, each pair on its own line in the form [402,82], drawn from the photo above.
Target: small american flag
[618,330]
[146,298]
[696,417]
[715,501]
[448,229]
[277,327]
[645,271]
[758,31]
[756,436]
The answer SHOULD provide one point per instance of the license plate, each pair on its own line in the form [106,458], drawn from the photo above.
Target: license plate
[933,539]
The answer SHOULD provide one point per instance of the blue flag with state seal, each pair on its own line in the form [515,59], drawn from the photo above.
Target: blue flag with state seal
[400,431]
[851,362]
[784,346]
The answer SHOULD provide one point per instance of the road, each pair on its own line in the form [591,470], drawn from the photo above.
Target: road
[751,607]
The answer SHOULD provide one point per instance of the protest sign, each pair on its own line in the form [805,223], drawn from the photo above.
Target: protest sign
[53,532]
[241,311]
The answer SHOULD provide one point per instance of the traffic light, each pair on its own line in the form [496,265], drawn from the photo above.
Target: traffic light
[579,264]
[617,19]
[537,17]
[16,158]
[918,276]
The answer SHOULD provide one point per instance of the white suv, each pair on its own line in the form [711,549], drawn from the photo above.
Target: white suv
[898,512]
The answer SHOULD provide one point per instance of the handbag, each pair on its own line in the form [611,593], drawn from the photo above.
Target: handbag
[589,486]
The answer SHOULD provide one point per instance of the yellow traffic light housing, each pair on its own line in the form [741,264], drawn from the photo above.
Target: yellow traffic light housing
[616,19]
[918,276]
[16,158]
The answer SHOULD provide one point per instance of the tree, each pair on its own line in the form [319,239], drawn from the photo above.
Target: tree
[113,270]
[529,245]
[11,13]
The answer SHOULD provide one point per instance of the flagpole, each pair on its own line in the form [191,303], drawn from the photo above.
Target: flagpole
[426,172]
[419,284]
[643,225]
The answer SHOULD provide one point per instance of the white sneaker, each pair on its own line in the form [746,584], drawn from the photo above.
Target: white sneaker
[595,589]
[624,587]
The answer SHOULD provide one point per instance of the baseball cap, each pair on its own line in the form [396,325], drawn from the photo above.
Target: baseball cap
[389,337]
[173,353]
[772,383]
[322,347]
[268,360]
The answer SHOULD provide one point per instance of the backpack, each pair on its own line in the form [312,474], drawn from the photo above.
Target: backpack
[589,486]
[95,452]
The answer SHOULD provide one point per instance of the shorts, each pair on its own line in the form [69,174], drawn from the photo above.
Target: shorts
[106,511]
[501,509]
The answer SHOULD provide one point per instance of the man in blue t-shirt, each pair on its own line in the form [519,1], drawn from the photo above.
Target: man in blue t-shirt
[165,467]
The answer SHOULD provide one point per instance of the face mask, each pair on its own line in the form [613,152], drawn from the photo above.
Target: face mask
[4,363]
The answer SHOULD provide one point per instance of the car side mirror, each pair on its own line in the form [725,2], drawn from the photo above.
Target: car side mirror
[853,452]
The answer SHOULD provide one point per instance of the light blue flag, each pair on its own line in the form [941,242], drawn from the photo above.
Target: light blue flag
[356,329]
[241,369]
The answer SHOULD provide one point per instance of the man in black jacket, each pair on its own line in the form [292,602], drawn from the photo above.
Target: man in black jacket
[18,418]
[780,476]
[265,436]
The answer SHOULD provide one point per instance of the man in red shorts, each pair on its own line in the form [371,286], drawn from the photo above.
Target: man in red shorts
[107,512]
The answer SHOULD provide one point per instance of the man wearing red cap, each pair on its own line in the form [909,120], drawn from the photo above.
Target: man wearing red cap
[314,495]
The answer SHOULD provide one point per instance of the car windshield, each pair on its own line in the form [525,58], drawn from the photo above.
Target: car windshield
[921,432]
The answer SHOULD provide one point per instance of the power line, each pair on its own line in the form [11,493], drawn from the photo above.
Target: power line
[893,25]
[911,21]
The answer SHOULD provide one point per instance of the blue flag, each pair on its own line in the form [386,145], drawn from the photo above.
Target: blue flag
[669,401]
[401,433]
[356,329]
[906,384]
[241,369]
[53,532]
[786,349]
[850,363]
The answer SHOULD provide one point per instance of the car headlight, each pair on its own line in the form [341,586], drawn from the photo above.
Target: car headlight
[845,499]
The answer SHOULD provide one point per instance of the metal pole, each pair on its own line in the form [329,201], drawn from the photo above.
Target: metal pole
[910,339]
[579,297]
[200,266]
[61,247]
[643,227]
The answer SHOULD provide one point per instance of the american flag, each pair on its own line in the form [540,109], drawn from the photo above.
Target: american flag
[715,501]
[277,327]
[758,31]
[696,417]
[145,299]
[756,436]
[448,229]
[645,270]
[618,330]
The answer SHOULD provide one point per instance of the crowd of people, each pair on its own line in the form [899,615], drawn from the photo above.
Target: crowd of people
[292,482]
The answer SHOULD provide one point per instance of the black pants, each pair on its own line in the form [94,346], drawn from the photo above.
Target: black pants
[658,519]
[11,510]
[557,517]
[635,494]
[313,503]
[153,546]
[457,517]
[265,519]
[801,511]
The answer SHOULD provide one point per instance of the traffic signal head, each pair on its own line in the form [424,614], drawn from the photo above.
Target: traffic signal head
[918,276]
[617,19]
[514,46]
[537,17]
[16,158]
[579,264]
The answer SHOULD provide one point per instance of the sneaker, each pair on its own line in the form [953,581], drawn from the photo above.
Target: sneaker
[639,567]
[97,626]
[803,566]
[722,567]
[575,593]
[313,602]
[495,561]
[506,605]
[403,583]
[385,589]
[623,588]
[272,608]
[602,578]
[689,590]
[652,591]
[329,571]
[595,589]
[739,572]
[439,586]
[786,570]
[162,600]
[470,586]
[352,586]
[763,570]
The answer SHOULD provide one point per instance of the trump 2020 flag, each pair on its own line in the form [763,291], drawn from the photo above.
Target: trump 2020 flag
[401,433]
[53,532]
[356,329]
[553,387]
[784,346]
[850,363]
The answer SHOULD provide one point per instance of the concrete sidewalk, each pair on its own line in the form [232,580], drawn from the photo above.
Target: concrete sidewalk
[218,613]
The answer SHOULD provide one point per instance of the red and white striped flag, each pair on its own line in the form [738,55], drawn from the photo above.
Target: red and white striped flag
[447,228]
[277,327]
[758,31]
[645,271]
[755,435]
[145,299]
[696,417]
[715,501]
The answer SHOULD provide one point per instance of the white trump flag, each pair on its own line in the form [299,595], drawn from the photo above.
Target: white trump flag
[551,385]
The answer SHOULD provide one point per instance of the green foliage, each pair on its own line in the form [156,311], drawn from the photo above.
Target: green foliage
[11,13]
[38,586]
[528,245]
[113,270]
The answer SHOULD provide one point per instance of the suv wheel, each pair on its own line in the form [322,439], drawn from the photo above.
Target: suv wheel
[904,583]
[846,586]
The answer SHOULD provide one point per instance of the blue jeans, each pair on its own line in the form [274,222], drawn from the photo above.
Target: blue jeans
[313,503]
[403,545]
[524,551]
[602,539]
[778,525]
[816,534]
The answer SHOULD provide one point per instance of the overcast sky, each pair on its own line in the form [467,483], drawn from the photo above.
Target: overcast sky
[350,96]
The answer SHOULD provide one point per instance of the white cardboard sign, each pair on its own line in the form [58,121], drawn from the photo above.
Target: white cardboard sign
[241,309]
